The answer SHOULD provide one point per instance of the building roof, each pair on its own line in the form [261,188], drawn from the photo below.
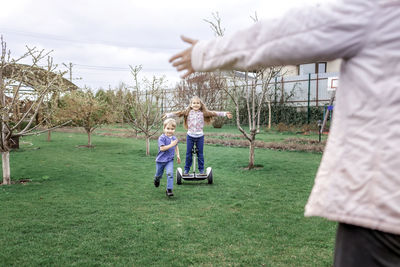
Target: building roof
[34,76]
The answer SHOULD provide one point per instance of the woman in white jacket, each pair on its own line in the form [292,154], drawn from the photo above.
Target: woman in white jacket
[358,181]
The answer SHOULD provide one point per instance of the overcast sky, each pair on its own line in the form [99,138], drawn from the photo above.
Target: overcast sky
[102,38]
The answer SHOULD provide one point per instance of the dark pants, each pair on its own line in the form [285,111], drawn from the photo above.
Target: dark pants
[362,247]
[190,142]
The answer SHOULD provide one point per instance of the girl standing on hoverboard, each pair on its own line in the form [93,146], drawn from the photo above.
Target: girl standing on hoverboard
[194,117]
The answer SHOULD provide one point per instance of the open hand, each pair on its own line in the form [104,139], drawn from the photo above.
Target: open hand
[178,159]
[229,115]
[183,60]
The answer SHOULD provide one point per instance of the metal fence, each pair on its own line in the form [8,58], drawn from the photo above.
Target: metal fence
[310,89]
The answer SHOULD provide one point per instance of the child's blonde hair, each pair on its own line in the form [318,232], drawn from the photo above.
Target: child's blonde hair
[170,121]
[207,113]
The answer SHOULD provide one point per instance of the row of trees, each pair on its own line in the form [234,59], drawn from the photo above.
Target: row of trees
[35,98]
[138,105]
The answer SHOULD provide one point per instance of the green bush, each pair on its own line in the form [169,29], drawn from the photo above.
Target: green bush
[285,114]
[218,122]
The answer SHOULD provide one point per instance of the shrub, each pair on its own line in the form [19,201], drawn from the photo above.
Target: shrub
[289,115]
[281,127]
[218,122]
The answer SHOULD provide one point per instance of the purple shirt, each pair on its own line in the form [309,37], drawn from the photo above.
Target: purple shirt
[167,155]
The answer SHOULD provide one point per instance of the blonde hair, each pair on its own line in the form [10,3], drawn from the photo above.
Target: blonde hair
[203,108]
[169,121]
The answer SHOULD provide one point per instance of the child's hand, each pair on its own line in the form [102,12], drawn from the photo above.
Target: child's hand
[178,159]
[175,142]
[229,115]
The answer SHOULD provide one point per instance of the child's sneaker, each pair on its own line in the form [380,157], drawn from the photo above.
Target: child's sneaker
[156,181]
[169,193]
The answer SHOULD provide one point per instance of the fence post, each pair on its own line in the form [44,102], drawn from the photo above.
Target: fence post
[316,90]
[282,91]
[275,94]
[308,98]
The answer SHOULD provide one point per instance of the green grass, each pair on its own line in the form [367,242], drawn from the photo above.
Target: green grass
[99,207]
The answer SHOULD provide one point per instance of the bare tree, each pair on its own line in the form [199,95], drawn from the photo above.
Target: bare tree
[252,92]
[250,88]
[143,105]
[207,86]
[118,102]
[20,111]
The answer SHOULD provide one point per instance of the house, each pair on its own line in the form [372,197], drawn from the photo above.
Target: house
[308,82]
[313,68]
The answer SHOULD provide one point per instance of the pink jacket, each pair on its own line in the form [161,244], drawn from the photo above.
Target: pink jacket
[358,181]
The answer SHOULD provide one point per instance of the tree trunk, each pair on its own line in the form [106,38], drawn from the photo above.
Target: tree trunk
[147,145]
[89,134]
[269,115]
[48,136]
[5,158]
[251,154]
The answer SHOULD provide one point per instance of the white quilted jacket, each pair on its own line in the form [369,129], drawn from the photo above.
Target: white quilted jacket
[358,181]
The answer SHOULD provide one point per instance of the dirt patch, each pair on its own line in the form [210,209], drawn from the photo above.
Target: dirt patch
[86,146]
[255,167]
[234,140]
[293,144]
[20,181]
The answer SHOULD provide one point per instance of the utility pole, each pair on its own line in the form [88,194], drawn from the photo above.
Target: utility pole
[69,69]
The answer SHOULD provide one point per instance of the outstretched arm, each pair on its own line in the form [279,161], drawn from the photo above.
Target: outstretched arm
[327,31]
[222,114]
[183,60]
[172,114]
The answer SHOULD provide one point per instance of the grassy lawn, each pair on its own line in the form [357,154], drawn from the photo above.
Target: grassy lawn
[99,207]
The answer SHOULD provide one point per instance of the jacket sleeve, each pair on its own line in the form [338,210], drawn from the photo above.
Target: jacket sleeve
[170,115]
[174,114]
[316,33]
[220,113]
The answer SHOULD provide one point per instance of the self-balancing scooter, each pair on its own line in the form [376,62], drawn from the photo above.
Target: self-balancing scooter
[194,176]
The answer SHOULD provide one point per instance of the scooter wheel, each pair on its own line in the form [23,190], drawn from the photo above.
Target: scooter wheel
[178,178]
[210,178]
